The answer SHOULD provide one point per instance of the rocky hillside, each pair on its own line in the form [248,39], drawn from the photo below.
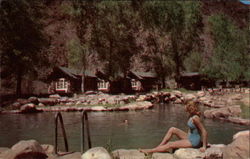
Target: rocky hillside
[60,29]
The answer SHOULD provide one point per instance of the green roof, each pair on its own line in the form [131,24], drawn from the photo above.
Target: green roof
[142,75]
[75,72]
[189,74]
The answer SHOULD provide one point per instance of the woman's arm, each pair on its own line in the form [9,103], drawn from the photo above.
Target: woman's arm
[203,131]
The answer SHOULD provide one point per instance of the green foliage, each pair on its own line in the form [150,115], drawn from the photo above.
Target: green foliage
[109,145]
[193,63]
[112,37]
[180,23]
[245,113]
[230,60]
[77,54]
[22,40]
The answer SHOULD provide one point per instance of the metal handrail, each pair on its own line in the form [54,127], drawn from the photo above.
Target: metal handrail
[85,119]
[59,116]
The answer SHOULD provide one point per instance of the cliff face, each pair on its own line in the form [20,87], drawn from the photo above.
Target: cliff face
[60,30]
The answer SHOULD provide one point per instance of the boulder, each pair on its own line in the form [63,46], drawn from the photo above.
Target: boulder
[98,108]
[162,156]
[29,149]
[137,106]
[188,153]
[78,103]
[214,152]
[121,102]
[16,105]
[235,110]
[48,149]
[166,94]
[70,104]
[241,133]
[178,94]
[239,121]
[141,98]
[96,153]
[75,155]
[127,154]
[55,96]
[33,100]
[63,100]
[166,99]
[41,105]
[208,114]
[48,101]
[172,97]
[201,93]
[111,100]
[90,92]
[29,108]
[23,101]
[189,97]
[3,150]
[223,112]
[178,101]
[217,113]
[239,148]
[236,97]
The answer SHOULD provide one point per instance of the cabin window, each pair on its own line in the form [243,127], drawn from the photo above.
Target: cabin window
[134,83]
[103,84]
[61,84]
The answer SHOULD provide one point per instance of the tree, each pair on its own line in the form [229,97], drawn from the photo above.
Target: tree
[179,22]
[83,16]
[193,62]
[112,36]
[230,59]
[77,58]
[163,65]
[21,39]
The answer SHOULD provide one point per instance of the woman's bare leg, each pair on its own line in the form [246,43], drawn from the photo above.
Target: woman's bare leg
[173,131]
[185,143]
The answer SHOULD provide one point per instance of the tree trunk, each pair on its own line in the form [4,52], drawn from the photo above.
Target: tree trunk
[177,61]
[83,81]
[177,73]
[19,84]
[110,73]
[163,82]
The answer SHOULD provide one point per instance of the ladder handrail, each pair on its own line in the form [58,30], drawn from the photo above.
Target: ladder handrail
[85,119]
[59,116]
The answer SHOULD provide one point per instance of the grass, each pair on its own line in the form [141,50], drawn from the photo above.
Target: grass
[81,105]
[183,90]
[245,110]
[109,145]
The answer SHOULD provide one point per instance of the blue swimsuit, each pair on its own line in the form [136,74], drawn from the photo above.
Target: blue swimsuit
[194,136]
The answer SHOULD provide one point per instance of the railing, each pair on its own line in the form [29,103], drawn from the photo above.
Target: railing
[85,119]
[59,116]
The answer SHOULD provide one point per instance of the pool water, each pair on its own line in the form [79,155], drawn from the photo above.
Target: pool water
[145,128]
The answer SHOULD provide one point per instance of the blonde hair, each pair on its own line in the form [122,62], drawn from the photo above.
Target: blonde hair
[192,108]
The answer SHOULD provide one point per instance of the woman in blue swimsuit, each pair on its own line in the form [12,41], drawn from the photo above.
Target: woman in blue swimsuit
[196,138]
